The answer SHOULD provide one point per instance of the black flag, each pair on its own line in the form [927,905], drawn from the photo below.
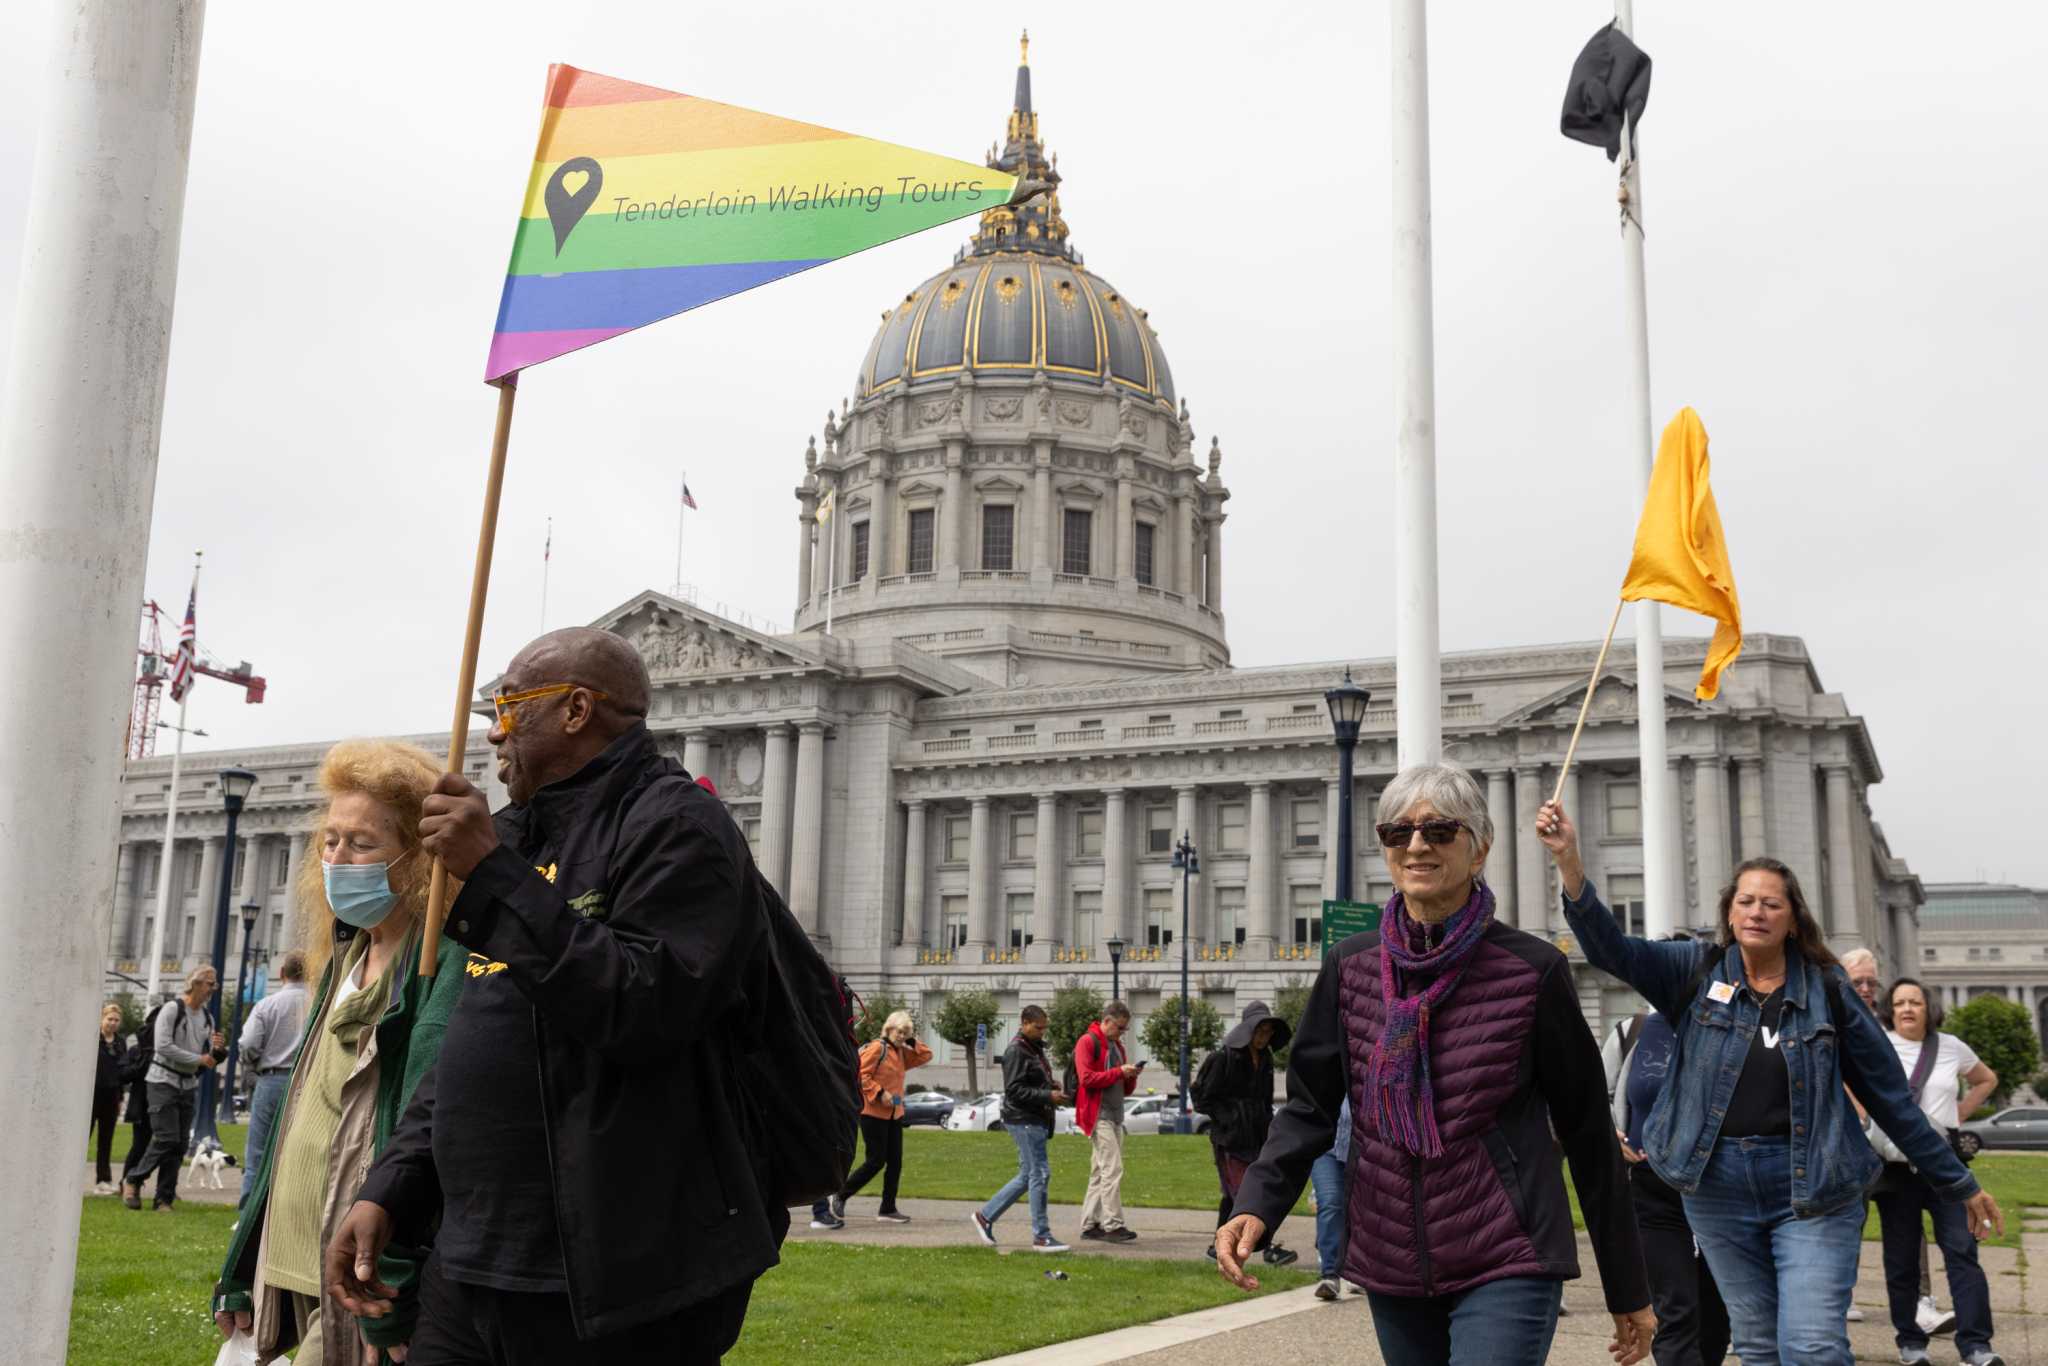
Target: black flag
[1610,78]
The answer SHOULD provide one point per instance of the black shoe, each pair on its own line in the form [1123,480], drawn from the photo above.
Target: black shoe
[1119,1235]
[892,1216]
[838,1207]
[1094,1233]
[1210,1253]
[1277,1255]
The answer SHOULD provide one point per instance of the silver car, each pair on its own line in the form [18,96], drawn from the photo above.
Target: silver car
[2015,1128]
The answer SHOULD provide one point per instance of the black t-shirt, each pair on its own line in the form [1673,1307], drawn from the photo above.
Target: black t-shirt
[490,1142]
[1762,1104]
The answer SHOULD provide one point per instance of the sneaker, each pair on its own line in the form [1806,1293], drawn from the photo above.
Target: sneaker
[1045,1242]
[1277,1255]
[1093,1233]
[838,1207]
[103,1188]
[162,1206]
[1119,1235]
[131,1196]
[827,1222]
[1326,1289]
[1855,1315]
[1933,1319]
[1913,1356]
[983,1229]
[1983,1356]
[892,1216]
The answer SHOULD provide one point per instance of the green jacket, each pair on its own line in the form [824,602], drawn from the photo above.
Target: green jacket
[408,1040]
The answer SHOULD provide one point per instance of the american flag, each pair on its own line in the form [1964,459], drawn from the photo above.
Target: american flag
[181,662]
[688,501]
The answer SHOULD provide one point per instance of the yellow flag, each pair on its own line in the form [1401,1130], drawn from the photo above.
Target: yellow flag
[1681,557]
[824,512]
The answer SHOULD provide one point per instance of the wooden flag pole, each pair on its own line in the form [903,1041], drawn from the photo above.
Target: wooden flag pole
[472,639]
[1557,794]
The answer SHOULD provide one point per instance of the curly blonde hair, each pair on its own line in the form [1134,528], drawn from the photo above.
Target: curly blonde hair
[398,777]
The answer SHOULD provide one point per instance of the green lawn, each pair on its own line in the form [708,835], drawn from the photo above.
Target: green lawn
[1161,1171]
[143,1283]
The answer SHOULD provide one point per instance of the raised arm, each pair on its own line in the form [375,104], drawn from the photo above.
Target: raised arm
[1658,969]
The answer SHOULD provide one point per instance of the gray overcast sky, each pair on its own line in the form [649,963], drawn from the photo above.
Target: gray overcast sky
[1845,227]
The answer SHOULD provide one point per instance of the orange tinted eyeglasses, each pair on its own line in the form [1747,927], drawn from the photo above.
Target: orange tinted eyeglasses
[507,703]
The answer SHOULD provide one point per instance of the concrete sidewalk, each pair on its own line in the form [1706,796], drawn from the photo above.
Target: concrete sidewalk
[1171,1233]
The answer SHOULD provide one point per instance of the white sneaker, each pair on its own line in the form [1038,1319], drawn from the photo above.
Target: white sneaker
[1933,1319]
[1855,1314]
[1326,1289]
[103,1188]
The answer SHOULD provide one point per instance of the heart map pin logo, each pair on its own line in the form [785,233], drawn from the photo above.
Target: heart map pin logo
[566,207]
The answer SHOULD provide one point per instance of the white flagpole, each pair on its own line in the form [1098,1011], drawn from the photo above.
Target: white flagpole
[1417,662]
[1662,890]
[682,510]
[831,566]
[163,866]
[547,561]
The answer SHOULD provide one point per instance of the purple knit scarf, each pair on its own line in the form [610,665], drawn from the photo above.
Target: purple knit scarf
[1397,1076]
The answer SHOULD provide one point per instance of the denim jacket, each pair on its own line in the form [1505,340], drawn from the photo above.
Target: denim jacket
[1832,1162]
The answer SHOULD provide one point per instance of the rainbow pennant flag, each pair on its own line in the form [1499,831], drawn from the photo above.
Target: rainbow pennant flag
[644,203]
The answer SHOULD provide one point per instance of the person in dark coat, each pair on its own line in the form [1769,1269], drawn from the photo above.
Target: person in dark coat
[1235,1090]
[583,1142]
[106,1096]
[134,1067]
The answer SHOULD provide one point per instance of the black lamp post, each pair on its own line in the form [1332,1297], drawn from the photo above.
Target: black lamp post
[249,913]
[235,784]
[1116,962]
[1187,863]
[1347,703]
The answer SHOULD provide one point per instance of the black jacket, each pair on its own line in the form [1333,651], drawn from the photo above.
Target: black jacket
[1235,1092]
[641,958]
[107,1077]
[1027,1084]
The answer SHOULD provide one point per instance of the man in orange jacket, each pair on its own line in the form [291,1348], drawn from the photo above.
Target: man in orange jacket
[1105,1079]
[882,1065]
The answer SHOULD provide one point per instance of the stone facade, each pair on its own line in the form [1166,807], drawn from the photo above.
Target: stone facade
[1986,939]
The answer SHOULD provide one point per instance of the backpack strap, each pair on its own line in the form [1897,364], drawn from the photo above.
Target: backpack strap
[1930,1048]
[1630,1029]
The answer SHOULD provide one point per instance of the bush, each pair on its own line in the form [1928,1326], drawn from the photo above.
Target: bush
[1162,1031]
[1289,1004]
[132,1012]
[1073,1009]
[2002,1035]
[874,1011]
[961,1012]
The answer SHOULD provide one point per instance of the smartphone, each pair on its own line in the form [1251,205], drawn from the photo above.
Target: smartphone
[1142,1062]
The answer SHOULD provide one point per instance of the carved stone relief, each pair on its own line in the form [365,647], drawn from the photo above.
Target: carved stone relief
[1003,409]
[1075,414]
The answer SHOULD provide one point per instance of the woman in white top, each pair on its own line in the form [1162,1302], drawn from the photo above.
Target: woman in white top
[1949,1087]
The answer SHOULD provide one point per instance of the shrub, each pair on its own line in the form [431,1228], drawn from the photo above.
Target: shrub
[961,1012]
[1162,1031]
[1073,1009]
[2002,1035]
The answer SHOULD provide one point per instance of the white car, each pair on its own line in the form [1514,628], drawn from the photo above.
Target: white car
[985,1115]
[1142,1115]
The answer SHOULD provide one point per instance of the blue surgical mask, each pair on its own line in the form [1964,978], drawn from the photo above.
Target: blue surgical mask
[360,893]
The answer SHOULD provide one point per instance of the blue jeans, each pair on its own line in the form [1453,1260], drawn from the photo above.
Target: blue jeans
[264,1105]
[1033,1171]
[1786,1281]
[1508,1322]
[1328,1178]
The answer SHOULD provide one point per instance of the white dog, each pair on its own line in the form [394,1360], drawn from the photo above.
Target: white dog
[208,1161]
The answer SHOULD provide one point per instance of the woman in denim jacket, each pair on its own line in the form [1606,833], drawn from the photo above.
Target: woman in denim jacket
[1754,1129]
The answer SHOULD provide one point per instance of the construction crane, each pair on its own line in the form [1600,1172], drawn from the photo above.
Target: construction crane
[154,673]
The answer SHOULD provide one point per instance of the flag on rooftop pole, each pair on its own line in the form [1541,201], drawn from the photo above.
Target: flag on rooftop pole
[183,660]
[688,501]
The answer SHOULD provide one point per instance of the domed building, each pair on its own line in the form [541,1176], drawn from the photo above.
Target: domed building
[1008,692]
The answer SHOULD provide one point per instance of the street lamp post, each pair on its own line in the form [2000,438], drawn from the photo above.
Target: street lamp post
[235,784]
[1116,962]
[1187,863]
[1347,702]
[249,913]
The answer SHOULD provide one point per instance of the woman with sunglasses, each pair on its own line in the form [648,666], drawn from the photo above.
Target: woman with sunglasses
[372,1031]
[1460,1044]
[1754,1129]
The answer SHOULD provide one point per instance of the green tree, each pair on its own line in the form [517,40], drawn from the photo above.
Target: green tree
[1162,1032]
[2002,1035]
[1073,1009]
[132,1013]
[958,1016]
[1288,1004]
[876,1009]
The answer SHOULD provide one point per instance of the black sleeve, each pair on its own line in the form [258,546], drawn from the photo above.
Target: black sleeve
[653,971]
[403,1179]
[1307,1125]
[1573,1084]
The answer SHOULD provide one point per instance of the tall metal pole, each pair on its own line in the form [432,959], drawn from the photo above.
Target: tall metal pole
[1663,892]
[163,863]
[1346,751]
[1184,1117]
[1417,665]
[205,1122]
[241,985]
[78,458]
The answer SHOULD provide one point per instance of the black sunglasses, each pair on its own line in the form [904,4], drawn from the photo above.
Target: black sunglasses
[1438,830]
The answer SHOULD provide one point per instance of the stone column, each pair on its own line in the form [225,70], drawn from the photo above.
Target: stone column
[1184,546]
[1905,941]
[805,526]
[1046,896]
[981,932]
[1500,861]
[697,753]
[1116,867]
[1126,538]
[952,530]
[252,881]
[1045,536]
[1213,592]
[1710,829]
[1553,909]
[915,925]
[1185,817]
[209,896]
[807,834]
[881,515]
[775,792]
[1262,929]
[1749,799]
[293,864]
[1532,909]
[1841,853]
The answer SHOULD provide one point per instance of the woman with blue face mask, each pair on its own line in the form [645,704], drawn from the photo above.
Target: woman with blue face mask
[372,1031]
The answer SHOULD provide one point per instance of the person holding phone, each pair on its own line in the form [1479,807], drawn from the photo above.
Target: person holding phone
[1104,1077]
[882,1065]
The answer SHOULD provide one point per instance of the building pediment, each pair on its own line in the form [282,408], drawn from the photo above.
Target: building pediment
[996,483]
[918,488]
[1079,488]
[680,640]
[1614,697]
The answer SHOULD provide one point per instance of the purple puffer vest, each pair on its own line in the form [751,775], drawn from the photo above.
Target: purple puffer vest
[1493,1204]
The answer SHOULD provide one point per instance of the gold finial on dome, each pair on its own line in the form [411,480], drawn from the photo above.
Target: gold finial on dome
[1024,49]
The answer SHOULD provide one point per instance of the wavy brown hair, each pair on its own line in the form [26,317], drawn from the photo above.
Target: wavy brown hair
[398,777]
[1806,937]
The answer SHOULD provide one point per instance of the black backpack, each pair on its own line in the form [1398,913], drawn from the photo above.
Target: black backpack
[798,1067]
[135,1065]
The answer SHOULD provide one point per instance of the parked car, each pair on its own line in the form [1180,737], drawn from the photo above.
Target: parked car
[981,1115]
[2014,1128]
[927,1107]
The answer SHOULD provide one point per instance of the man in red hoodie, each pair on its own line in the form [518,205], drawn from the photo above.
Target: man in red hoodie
[1105,1079]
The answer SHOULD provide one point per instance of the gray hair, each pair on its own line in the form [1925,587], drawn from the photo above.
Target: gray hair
[1446,787]
[1855,956]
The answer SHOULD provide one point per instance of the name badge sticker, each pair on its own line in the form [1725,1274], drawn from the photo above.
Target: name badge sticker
[1723,992]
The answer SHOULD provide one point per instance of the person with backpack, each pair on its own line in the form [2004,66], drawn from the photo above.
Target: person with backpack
[1101,1077]
[183,1043]
[1030,1098]
[590,1156]
[882,1065]
[1235,1090]
[1755,1129]
[134,1071]
[1692,1322]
